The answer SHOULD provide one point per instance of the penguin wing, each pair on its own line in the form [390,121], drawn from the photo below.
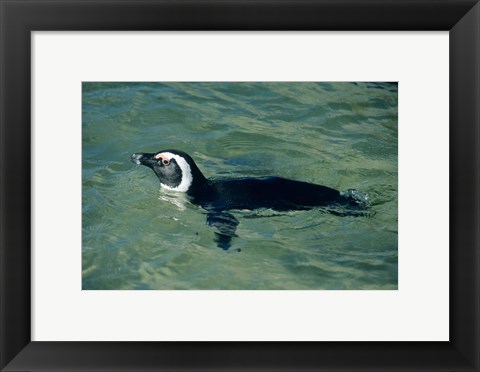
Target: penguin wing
[226,225]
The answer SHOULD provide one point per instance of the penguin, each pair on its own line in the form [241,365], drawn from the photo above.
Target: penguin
[177,172]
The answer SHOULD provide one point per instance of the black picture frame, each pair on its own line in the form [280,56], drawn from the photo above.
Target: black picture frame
[18,18]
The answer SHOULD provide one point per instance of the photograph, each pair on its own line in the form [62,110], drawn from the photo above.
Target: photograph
[239,185]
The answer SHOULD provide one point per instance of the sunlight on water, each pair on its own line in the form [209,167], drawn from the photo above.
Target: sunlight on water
[341,135]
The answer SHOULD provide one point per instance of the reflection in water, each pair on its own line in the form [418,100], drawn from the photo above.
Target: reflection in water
[177,199]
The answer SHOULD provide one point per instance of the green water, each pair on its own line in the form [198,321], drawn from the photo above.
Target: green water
[342,135]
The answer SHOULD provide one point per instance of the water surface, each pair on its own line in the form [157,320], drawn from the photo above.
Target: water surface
[342,135]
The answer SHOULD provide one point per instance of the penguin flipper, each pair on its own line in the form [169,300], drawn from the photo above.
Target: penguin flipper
[226,225]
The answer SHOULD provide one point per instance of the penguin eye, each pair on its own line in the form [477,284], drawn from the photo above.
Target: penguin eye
[165,161]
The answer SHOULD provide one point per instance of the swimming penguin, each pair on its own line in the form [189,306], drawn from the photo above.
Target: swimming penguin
[177,171]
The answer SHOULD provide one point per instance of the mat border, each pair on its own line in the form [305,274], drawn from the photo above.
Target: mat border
[18,18]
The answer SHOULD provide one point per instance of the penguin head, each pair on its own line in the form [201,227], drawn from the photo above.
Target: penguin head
[175,169]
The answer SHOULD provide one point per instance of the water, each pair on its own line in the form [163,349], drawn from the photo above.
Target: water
[342,135]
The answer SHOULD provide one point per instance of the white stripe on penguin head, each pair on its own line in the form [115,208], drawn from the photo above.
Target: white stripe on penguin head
[187,177]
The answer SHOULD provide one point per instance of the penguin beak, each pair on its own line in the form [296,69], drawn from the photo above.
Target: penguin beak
[136,158]
[139,158]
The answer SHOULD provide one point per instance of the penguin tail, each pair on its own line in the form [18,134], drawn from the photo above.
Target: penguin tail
[354,203]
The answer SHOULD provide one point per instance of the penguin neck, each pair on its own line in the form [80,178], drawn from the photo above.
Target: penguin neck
[199,181]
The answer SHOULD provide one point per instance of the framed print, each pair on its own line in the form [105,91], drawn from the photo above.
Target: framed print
[288,231]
